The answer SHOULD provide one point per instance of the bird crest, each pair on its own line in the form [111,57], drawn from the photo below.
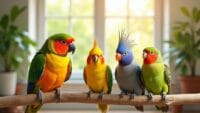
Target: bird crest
[96,49]
[124,38]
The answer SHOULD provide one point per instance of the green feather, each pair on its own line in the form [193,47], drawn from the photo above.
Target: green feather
[167,75]
[36,69]
[109,79]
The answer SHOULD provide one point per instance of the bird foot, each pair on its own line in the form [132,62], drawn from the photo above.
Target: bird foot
[149,96]
[40,96]
[89,93]
[163,96]
[121,94]
[132,96]
[58,94]
[100,97]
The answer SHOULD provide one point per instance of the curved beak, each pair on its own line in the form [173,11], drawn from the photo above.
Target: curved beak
[95,58]
[144,55]
[72,48]
[118,56]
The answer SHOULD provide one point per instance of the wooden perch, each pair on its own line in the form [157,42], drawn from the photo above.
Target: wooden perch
[78,97]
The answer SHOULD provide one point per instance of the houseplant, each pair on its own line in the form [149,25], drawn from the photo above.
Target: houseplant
[14,49]
[185,48]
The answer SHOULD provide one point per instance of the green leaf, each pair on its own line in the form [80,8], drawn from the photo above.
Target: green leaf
[179,62]
[15,12]
[185,11]
[16,60]
[198,16]
[194,14]
[184,69]
[4,22]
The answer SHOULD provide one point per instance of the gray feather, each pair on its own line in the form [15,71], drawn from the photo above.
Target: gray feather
[128,80]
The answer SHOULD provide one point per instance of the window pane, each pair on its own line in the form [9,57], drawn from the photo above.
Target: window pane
[57,7]
[82,7]
[141,7]
[56,26]
[113,25]
[116,7]
[143,36]
[82,30]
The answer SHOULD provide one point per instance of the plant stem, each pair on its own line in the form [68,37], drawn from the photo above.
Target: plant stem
[192,67]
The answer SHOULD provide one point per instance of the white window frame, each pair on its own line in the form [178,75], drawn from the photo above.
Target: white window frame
[37,25]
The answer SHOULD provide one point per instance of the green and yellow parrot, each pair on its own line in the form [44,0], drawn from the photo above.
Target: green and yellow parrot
[98,75]
[50,68]
[156,75]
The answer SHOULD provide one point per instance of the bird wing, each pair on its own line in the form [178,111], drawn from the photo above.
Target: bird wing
[140,79]
[35,71]
[69,71]
[167,75]
[109,79]
[84,75]
[116,74]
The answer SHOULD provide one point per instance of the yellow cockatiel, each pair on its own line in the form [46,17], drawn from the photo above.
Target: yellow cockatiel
[98,75]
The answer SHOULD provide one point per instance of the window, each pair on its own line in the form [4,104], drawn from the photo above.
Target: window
[100,19]
[135,15]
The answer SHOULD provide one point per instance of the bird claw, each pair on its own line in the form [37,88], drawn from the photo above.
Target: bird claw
[163,96]
[89,94]
[40,96]
[100,97]
[121,94]
[58,94]
[132,96]
[149,96]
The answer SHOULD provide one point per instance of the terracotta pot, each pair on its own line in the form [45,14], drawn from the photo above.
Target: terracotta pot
[189,84]
[177,108]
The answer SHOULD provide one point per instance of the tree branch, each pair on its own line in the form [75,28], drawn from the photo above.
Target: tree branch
[80,97]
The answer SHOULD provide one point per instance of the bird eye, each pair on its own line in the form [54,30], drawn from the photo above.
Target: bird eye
[63,42]
[151,53]
[125,53]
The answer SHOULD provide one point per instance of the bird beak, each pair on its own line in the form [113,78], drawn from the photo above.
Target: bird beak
[118,56]
[144,55]
[95,58]
[72,48]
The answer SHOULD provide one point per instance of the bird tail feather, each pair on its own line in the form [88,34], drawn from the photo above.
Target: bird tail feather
[33,108]
[139,108]
[103,107]
[163,108]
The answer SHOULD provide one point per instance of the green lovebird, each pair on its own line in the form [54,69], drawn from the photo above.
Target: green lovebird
[156,75]
[50,68]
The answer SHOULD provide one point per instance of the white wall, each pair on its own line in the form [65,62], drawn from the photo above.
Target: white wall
[5,6]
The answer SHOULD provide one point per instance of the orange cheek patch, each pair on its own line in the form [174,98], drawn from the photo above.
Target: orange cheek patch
[88,59]
[102,60]
[60,48]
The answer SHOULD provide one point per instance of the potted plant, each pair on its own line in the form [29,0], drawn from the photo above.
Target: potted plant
[14,49]
[185,49]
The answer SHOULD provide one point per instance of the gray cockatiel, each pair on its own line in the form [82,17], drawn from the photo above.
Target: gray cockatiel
[128,72]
